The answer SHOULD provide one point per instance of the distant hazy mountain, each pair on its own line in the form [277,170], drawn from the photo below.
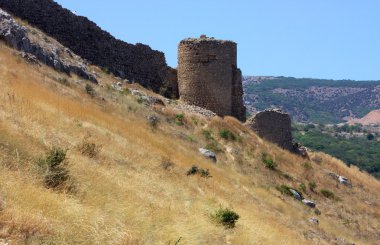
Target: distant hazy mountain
[312,100]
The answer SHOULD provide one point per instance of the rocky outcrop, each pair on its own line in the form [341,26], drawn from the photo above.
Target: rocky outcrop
[296,195]
[207,153]
[309,203]
[274,126]
[314,221]
[37,47]
[195,109]
[341,179]
[137,63]
[145,99]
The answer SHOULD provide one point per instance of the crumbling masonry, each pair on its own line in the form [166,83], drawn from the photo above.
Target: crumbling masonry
[273,125]
[208,76]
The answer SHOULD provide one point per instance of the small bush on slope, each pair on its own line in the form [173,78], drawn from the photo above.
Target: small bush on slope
[90,90]
[225,217]
[89,149]
[327,193]
[205,173]
[268,161]
[227,135]
[56,174]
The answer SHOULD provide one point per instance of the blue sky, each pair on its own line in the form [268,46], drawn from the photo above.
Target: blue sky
[337,39]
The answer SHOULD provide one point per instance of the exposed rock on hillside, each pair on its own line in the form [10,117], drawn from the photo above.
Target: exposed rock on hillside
[207,153]
[195,109]
[274,126]
[38,47]
[137,63]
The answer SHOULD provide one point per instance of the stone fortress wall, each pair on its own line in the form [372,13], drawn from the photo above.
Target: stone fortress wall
[134,62]
[208,76]
[207,73]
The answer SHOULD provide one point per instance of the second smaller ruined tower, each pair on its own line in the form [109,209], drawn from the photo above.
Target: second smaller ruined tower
[208,76]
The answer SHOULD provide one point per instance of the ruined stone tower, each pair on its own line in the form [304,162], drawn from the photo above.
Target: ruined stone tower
[273,125]
[208,76]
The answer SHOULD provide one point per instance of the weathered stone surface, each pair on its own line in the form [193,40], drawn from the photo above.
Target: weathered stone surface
[314,221]
[208,76]
[274,126]
[29,58]
[150,100]
[207,153]
[146,99]
[35,48]
[138,62]
[153,120]
[196,110]
[296,195]
[341,179]
[342,241]
[301,150]
[309,203]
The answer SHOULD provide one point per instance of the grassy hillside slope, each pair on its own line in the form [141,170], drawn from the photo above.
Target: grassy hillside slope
[136,191]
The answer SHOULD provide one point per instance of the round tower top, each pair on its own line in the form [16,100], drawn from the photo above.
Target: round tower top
[205,39]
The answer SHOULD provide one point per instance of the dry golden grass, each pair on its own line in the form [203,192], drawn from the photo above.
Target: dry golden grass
[125,196]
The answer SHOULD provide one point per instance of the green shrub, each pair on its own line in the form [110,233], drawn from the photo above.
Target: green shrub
[225,217]
[327,193]
[179,119]
[125,91]
[191,138]
[227,135]
[214,147]
[195,121]
[302,187]
[205,173]
[90,90]
[312,185]
[53,158]
[207,134]
[195,170]
[370,136]
[283,189]
[287,176]
[140,100]
[55,173]
[268,161]
[307,166]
